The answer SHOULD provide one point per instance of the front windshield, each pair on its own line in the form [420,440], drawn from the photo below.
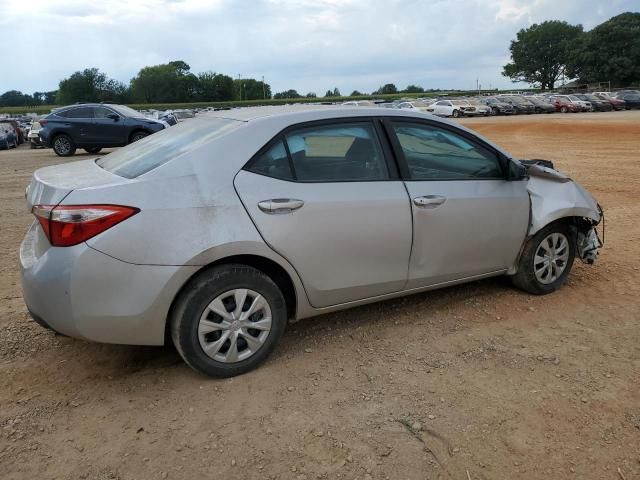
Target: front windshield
[127,111]
[459,102]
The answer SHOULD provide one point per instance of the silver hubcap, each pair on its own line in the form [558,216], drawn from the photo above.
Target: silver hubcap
[551,258]
[63,145]
[234,325]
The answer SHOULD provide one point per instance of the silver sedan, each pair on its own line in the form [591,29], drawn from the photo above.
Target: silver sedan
[215,233]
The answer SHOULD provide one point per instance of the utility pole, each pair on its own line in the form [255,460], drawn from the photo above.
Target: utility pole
[240,86]
[264,89]
[478,85]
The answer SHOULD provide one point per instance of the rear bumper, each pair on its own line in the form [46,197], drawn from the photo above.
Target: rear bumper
[83,293]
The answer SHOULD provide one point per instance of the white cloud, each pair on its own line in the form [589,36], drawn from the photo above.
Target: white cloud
[309,45]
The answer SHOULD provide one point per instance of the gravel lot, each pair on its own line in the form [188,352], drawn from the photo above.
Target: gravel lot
[472,382]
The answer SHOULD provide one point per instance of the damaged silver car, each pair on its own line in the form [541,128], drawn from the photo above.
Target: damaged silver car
[215,233]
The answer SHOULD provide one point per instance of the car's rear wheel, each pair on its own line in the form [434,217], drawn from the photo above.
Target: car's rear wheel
[546,260]
[228,320]
[564,109]
[138,136]
[63,145]
[93,150]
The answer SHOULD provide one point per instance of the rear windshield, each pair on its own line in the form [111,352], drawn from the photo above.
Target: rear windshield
[151,152]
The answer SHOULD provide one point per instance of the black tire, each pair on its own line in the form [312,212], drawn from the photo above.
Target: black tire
[63,146]
[456,114]
[526,278]
[199,293]
[495,111]
[139,135]
[564,109]
[93,150]
[32,145]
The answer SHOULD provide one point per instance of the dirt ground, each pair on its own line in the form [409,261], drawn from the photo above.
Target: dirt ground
[471,382]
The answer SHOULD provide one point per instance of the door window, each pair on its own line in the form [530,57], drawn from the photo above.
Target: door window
[101,112]
[80,112]
[330,153]
[273,163]
[337,153]
[436,154]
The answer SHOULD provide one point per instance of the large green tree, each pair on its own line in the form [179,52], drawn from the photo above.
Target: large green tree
[387,89]
[287,94]
[541,53]
[14,98]
[609,52]
[166,83]
[214,87]
[251,89]
[90,85]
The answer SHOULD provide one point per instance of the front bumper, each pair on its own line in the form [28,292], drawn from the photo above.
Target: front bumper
[83,293]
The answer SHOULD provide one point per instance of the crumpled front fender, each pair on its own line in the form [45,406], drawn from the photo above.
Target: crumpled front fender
[554,196]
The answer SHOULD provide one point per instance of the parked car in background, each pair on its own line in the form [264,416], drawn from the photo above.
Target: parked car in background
[597,104]
[498,107]
[481,109]
[631,100]
[34,135]
[16,129]
[583,104]
[450,108]
[8,136]
[621,93]
[541,104]
[216,232]
[415,105]
[359,103]
[520,104]
[94,126]
[564,104]
[616,103]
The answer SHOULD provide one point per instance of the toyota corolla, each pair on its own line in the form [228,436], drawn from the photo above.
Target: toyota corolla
[214,234]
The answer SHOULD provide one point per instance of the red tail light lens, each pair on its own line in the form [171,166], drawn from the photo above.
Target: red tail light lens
[43,122]
[67,225]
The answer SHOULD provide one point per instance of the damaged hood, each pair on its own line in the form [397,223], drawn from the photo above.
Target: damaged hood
[554,195]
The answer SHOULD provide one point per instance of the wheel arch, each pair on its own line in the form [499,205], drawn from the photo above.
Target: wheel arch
[137,130]
[268,266]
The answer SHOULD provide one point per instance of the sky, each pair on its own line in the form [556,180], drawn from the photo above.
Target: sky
[307,45]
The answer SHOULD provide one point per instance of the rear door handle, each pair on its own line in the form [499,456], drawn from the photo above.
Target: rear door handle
[280,205]
[429,201]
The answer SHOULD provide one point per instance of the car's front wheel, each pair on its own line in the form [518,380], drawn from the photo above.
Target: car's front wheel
[546,260]
[63,146]
[138,136]
[228,320]
[456,113]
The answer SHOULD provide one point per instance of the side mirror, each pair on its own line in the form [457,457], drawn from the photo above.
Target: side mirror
[113,116]
[517,171]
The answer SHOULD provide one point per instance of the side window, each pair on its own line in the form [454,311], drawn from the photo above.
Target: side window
[437,154]
[101,112]
[337,153]
[80,112]
[273,163]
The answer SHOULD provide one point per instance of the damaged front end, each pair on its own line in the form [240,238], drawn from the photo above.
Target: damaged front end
[555,196]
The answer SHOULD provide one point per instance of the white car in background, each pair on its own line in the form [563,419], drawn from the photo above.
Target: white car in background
[415,105]
[451,108]
[33,137]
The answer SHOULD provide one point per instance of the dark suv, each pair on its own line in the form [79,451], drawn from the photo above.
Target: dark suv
[94,126]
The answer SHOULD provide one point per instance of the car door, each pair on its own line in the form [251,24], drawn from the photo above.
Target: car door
[468,219]
[325,197]
[108,131]
[79,123]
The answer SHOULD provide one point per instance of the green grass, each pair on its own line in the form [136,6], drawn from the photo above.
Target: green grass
[41,109]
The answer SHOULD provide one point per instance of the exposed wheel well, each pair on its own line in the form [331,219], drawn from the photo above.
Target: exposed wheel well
[270,268]
[138,130]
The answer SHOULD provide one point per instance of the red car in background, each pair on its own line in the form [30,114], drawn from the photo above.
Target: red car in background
[563,105]
[16,127]
[616,103]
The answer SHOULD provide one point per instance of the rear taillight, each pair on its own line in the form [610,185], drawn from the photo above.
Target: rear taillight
[67,225]
[42,122]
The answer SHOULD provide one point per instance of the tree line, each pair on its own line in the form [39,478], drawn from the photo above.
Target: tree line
[545,53]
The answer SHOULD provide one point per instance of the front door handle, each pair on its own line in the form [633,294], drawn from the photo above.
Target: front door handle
[429,201]
[280,205]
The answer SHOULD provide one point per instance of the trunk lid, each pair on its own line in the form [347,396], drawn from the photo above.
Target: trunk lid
[50,185]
